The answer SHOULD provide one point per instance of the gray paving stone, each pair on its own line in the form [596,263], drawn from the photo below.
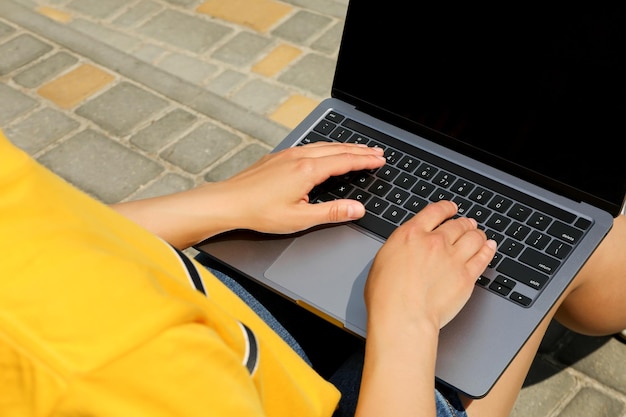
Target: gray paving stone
[301,27]
[545,388]
[201,148]
[184,2]
[336,8]
[137,14]
[21,50]
[226,82]
[161,132]
[590,402]
[149,52]
[241,160]
[5,30]
[312,73]
[100,166]
[596,357]
[13,103]
[117,39]
[45,70]
[97,8]
[169,184]
[329,42]
[122,108]
[259,96]
[191,33]
[188,68]
[41,129]
[242,49]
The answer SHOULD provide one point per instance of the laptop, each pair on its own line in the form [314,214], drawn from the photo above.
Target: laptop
[512,113]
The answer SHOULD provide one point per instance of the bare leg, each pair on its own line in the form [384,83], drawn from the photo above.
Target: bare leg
[592,305]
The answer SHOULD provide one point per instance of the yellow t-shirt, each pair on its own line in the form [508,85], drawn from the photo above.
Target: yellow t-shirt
[98,318]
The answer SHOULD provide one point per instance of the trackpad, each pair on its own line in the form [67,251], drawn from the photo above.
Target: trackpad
[327,268]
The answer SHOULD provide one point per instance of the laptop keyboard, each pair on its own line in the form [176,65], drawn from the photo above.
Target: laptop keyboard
[533,237]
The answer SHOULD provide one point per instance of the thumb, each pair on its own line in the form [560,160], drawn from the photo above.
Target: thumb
[337,211]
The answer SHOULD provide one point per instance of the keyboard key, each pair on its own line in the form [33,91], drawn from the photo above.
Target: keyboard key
[540,261]
[377,225]
[394,214]
[325,127]
[522,273]
[565,232]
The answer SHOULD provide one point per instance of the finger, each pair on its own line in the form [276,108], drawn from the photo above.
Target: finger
[335,164]
[431,216]
[324,149]
[319,149]
[477,263]
[335,211]
[456,228]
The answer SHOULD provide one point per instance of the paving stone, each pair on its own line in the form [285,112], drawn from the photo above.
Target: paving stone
[544,390]
[75,86]
[241,160]
[100,166]
[149,53]
[259,15]
[242,49]
[161,132]
[596,357]
[336,8]
[200,148]
[13,103]
[259,96]
[21,50]
[5,30]
[45,70]
[301,27]
[312,73]
[188,68]
[590,402]
[122,108]
[329,42]
[188,32]
[169,184]
[117,39]
[41,129]
[97,8]
[182,2]
[226,82]
[137,14]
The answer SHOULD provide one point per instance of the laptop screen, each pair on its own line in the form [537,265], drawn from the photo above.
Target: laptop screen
[539,93]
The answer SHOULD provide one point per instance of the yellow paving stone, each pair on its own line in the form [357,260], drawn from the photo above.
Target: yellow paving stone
[75,86]
[259,15]
[276,60]
[292,111]
[54,14]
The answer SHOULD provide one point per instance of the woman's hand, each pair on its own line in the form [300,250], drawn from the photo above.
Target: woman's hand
[428,267]
[420,279]
[270,196]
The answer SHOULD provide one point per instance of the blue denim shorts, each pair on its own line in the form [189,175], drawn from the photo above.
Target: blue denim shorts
[448,403]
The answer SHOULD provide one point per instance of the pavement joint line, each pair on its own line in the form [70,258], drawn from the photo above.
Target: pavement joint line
[172,87]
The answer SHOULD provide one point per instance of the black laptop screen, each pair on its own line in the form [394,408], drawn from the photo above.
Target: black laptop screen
[542,89]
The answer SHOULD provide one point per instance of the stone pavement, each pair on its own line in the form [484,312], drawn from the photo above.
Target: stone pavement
[134,98]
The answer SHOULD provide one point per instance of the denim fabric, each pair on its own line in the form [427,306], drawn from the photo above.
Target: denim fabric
[448,403]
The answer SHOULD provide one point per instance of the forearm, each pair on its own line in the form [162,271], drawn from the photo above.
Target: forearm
[399,373]
[186,218]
